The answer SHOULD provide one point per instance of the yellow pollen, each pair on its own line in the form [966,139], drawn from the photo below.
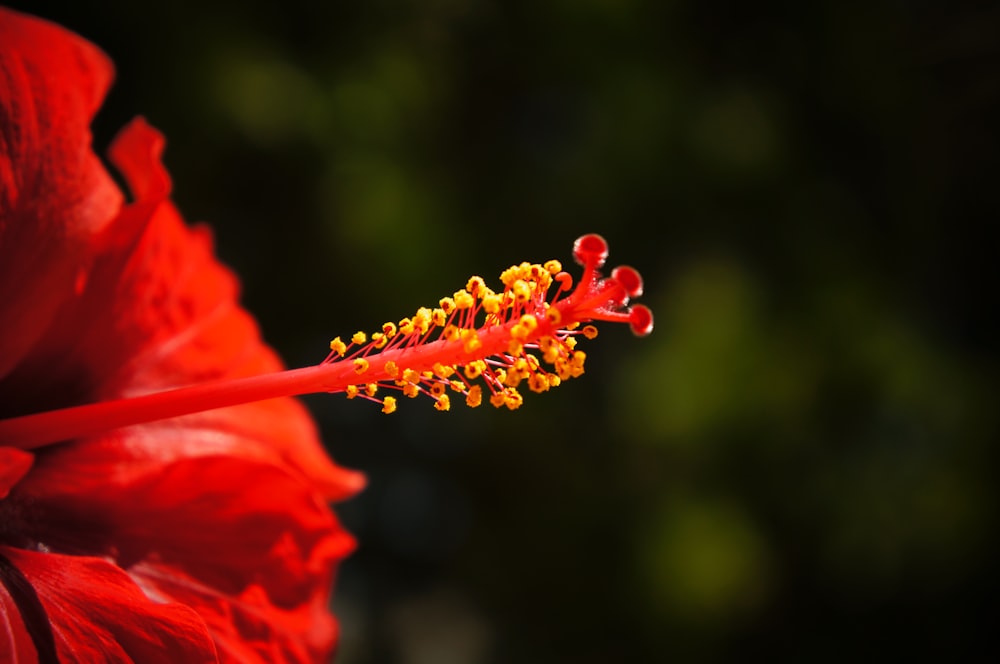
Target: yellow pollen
[457,385]
[437,389]
[447,304]
[389,405]
[411,390]
[371,389]
[463,300]
[391,369]
[389,329]
[439,317]
[513,399]
[475,397]
[553,316]
[522,290]
[451,333]
[443,370]
[589,331]
[538,382]
[351,391]
[359,338]
[553,267]
[475,286]
[360,365]
[497,399]
[514,347]
[405,326]
[338,346]
[474,370]
[443,402]
[470,340]
[411,376]
[379,339]
[492,303]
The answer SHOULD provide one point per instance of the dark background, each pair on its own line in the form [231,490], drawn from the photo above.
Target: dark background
[797,465]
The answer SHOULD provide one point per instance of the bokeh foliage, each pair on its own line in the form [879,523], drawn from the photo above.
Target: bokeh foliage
[797,464]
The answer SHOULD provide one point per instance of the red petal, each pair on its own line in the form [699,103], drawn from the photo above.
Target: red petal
[98,614]
[54,194]
[14,464]
[248,545]
[223,510]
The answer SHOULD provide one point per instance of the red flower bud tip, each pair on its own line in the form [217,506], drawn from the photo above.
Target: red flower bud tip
[525,334]
[502,340]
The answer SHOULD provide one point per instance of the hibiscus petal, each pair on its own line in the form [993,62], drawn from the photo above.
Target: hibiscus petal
[14,464]
[98,614]
[248,545]
[54,194]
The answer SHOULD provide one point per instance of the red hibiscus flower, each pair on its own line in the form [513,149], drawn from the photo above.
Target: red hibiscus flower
[162,498]
[188,540]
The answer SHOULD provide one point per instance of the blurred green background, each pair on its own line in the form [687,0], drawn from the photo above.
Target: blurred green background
[797,465]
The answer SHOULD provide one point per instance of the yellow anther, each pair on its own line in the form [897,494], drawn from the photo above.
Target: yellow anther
[451,333]
[443,370]
[492,303]
[437,389]
[427,375]
[497,399]
[371,389]
[470,340]
[475,397]
[389,330]
[570,342]
[351,391]
[553,267]
[411,376]
[360,365]
[474,370]
[447,304]
[551,354]
[522,290]
[538,382]
[439,317]
[379,339]
[553,316]
[422,320]
[512,399]
[443,402]
[463,300]
[406,326]
[411,390]
[391,369]
[563,369]
[554,380]
[338,346]
[475,286]
[457,385]
[524,327]
[500,375]
[389,405]
[589,331]
[515,347]
[359,338]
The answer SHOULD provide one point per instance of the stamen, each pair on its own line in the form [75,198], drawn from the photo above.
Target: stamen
[475,338]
